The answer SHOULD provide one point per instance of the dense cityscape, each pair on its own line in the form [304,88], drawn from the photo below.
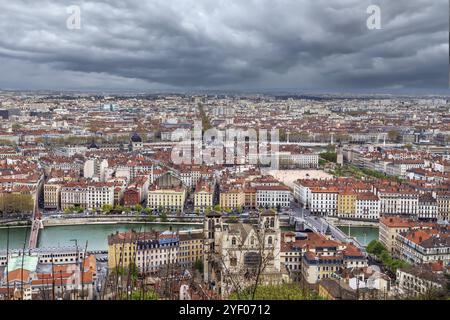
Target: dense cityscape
[217,196]
[218,159]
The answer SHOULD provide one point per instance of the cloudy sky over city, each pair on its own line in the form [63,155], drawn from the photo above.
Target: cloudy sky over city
[221,44]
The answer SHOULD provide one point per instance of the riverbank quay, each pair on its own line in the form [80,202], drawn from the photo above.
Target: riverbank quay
[68,221]
[339,222]
[5,223]
[125,220]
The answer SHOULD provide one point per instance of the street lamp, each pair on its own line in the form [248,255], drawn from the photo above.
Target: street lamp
[76,245]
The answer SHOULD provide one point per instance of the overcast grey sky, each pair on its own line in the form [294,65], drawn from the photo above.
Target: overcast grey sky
[220,44]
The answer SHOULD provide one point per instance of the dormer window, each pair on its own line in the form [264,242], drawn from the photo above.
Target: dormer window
[233,241]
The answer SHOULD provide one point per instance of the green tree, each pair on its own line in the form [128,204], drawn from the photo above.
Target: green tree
[16,126]
[106,208]
[329,156]
[375,247]
[408,146]
[287,291]
[16,203]
[393,135]
[147,295]
[198,265]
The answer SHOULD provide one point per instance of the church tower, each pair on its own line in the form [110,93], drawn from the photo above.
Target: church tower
[136,142]
[212,230]
[340,155]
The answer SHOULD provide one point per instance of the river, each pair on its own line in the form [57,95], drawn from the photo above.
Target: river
[95,234]
[363,234]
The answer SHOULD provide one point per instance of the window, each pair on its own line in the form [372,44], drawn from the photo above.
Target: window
[269,241]
[233,241]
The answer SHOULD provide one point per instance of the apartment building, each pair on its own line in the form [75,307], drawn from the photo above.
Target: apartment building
[231,197]
[346,204]
[167,198]
[312,256]
[154,253]
[203,196]
[87,195]
[323,201]
[149,251]
[278,196]
[326,257]
[389,228]
[131,197]
[74,194]
[424,245]
[428,207]
[95,169]
[190,248]
[415,281]
[291,253]
[137,191]
[394,201]
[250,198]
[100,194]
[400,167]
[52,194]
[367,206]
[443,203]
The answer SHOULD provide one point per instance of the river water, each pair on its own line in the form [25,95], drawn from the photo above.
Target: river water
[363,234]
[95,234]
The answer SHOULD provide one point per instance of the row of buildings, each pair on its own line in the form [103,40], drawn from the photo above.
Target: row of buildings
[415,242]
[166,189]
[63,273]
[150,251]
[368,200]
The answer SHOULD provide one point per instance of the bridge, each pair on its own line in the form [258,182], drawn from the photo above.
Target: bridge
[321,225]
[36,225]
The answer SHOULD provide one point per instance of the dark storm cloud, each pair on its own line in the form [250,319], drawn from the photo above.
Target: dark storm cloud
[223,44]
